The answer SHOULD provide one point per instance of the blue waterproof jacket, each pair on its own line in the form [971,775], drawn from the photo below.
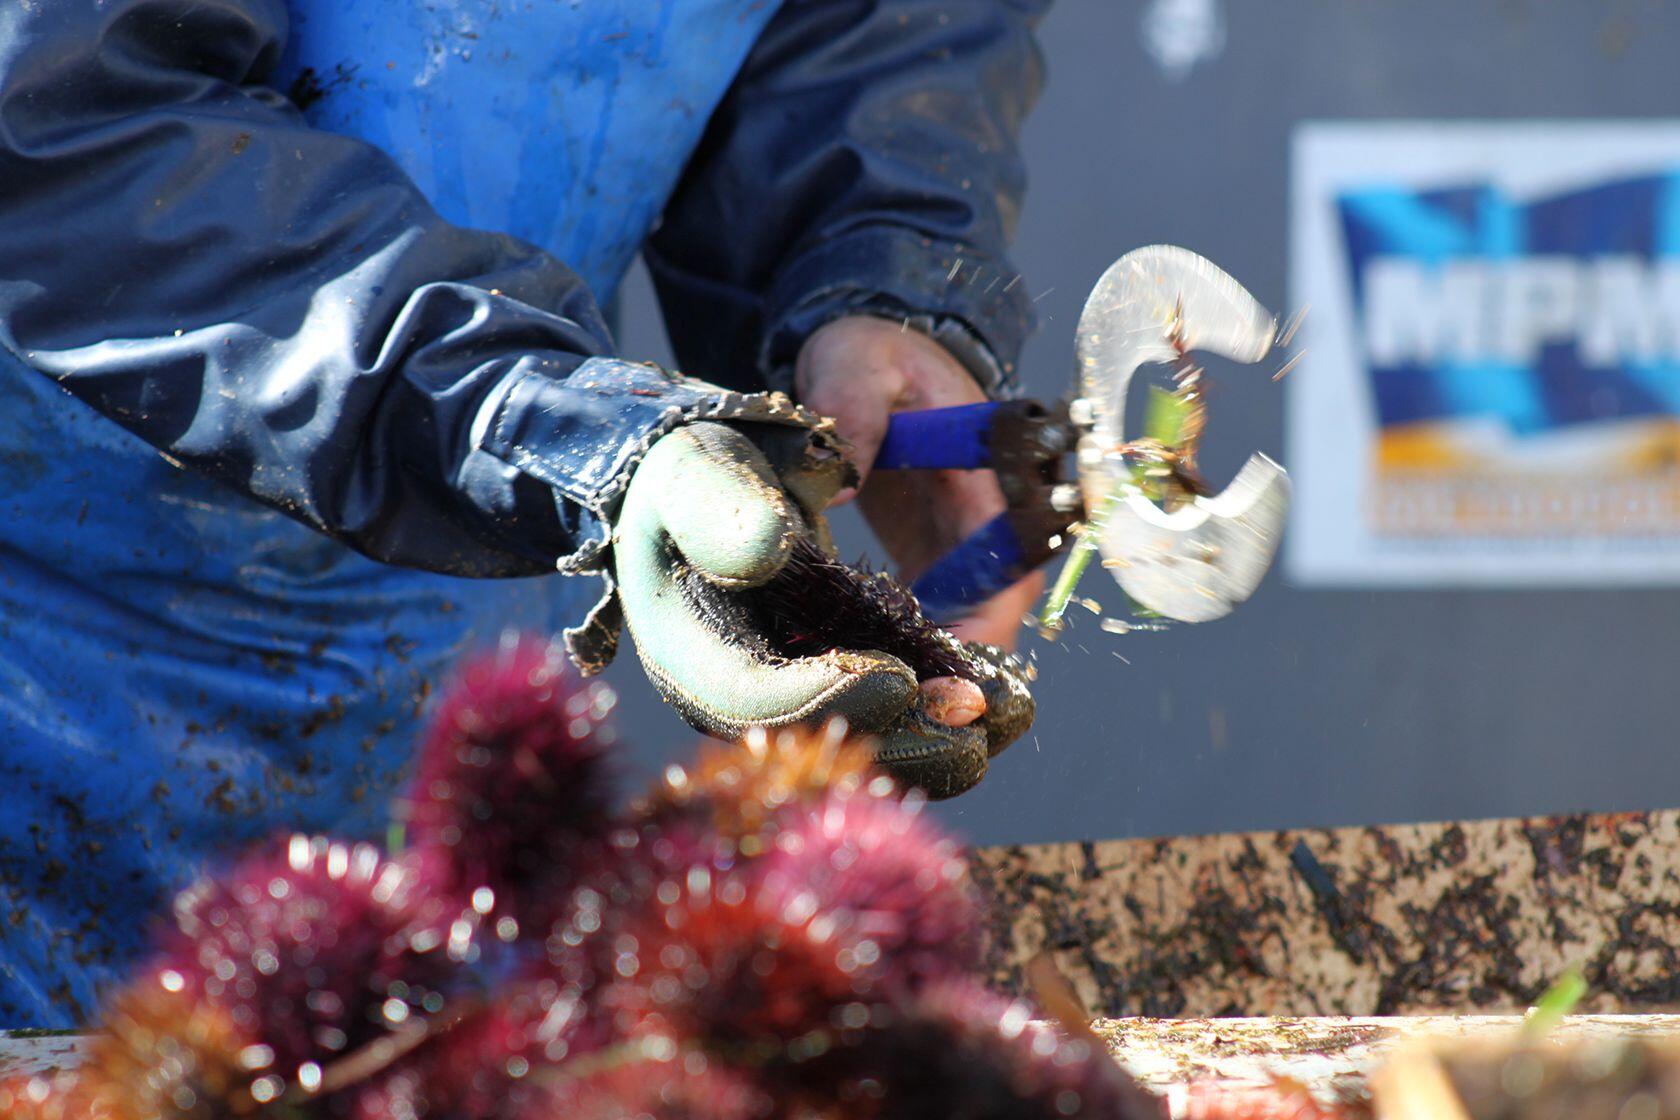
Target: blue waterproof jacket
[305,386]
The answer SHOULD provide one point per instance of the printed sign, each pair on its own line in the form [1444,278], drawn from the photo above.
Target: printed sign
[1490,392]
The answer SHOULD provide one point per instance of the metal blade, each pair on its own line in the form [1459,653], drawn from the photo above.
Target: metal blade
[1197,562]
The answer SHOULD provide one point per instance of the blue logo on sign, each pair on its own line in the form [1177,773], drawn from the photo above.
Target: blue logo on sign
[1543,313]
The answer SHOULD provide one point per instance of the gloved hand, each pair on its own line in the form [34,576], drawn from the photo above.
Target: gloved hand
[742,617]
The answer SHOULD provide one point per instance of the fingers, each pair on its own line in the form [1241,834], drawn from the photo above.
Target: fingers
[936,758]
[706,497]
[919,516]
[997,621]
[952,701]
[860,407]
[861,370]
[1009,703]
[695,642]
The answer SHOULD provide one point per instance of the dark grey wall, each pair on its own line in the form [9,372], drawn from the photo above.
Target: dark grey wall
[1306,707]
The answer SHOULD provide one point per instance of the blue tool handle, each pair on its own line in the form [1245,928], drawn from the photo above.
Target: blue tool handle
[954,438]
[988,561]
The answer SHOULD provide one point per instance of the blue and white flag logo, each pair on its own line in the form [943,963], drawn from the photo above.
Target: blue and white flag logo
[1490,393]
[1544,313]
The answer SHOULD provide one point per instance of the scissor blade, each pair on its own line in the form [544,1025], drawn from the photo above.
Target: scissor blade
[1198,562]
[1194,564]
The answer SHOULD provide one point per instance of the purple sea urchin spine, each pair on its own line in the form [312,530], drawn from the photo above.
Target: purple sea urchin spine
[713,962]
[683,1085]
[960,1052]
[773,933]
[312,952]
[816,604]
[512,792]
[881,871]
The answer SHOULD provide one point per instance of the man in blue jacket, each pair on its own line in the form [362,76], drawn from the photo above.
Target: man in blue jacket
[300,325]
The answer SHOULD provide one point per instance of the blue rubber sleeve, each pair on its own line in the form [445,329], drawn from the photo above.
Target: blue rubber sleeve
[989,560]
[955,438]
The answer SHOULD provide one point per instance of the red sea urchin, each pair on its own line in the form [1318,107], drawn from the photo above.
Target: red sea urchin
[959,1052]
[312,952]
[738,789]
[161,1052]
[873,865]
[714,962]
[512,791]
[679,1086]
[498,1060]
[774,932]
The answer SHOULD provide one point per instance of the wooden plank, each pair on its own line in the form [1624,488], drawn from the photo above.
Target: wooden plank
[1334,1057]
[1407,919]
[25,1054]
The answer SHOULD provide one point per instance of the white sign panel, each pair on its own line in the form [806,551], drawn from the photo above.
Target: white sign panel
[1490,392]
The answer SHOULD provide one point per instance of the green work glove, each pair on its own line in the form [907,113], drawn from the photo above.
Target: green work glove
[742,618]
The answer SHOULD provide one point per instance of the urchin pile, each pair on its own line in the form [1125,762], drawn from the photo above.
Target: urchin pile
[772,932]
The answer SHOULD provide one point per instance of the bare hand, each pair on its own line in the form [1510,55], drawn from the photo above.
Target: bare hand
[861,369]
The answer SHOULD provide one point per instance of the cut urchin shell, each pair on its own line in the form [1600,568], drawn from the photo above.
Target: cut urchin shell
[816,604]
